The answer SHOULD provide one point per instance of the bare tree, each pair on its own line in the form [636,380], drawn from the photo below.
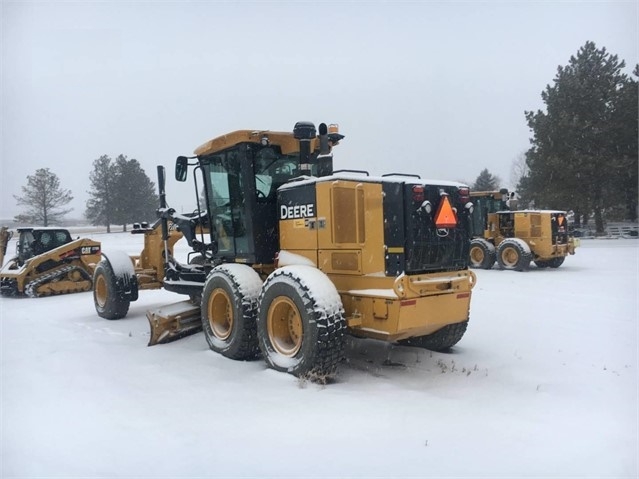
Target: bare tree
[43,198]
[518,169]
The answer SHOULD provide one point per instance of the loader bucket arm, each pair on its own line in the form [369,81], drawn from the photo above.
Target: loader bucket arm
[5,237]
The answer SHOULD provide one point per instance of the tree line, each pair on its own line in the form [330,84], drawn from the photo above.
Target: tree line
[120,193]
[584,152]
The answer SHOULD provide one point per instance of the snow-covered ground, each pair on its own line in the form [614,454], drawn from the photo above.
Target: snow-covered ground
[544,384]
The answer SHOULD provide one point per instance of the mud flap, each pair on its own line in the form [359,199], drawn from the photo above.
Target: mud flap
[174,321]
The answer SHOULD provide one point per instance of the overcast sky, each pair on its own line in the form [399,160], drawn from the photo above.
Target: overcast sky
[433,88]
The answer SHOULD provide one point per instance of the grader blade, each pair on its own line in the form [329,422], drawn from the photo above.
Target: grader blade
[174,321]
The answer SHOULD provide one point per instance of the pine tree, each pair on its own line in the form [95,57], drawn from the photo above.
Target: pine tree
[486,181]
[43,197]
[102,202]
[584,146]
[136,198]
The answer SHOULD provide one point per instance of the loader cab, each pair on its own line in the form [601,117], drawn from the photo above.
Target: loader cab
[33,242]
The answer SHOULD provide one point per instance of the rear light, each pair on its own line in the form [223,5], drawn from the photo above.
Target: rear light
[418,193]
[464,195]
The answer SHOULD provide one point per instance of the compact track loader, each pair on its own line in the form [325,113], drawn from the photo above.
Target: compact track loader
[48,262]
[289,255]
[514,237]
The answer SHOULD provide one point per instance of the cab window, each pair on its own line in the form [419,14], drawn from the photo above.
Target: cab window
[272,169]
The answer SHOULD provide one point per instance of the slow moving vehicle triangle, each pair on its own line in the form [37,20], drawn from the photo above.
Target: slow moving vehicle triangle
[445,216]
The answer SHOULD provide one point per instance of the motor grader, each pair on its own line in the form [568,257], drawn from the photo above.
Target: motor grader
[513,238]
[47,262]
[288,255]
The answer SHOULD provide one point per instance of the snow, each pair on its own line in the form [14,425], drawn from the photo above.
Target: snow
[362,177]
[326,298]
[248,281]
[120,262]
[521,243]
[544,384]
[378,293]
[286,258]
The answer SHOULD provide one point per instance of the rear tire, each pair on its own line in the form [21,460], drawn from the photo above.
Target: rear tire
[229,311]
[301,323]
[440,340]
[107,301]
[513,254]
[482,254]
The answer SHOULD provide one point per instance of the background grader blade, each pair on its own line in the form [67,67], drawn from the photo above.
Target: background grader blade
[174,321]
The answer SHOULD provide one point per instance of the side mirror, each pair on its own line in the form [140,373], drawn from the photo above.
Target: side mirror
[181,168]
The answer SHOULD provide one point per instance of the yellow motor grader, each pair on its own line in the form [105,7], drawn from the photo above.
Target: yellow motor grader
[48,262]
[288,255]
[514,237]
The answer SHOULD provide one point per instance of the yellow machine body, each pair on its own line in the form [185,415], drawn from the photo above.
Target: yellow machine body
[516,237]
[149,264]
[293,255]
[345,240]
[535,228]
[67,268]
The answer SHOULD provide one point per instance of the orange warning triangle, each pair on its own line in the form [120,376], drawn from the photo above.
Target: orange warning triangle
[561,220]
[445,216]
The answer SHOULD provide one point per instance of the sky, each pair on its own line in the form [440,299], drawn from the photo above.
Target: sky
[437,89]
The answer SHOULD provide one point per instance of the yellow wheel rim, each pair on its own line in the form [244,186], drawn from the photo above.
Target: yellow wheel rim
[510,256]
[476,255]
[284,326]
[101,290]
[220,312]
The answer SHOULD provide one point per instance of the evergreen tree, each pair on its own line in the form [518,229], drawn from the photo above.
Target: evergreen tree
[43,198]
[486,181]
[136,198]
[584,146]
[101,206]
[627,145]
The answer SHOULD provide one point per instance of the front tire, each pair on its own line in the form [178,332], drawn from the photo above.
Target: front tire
[482,254]
[301,323]
[441,340]
[106,298]
[513,254]
[229,310]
